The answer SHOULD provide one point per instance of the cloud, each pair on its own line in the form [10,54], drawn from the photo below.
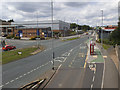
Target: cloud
[84,12]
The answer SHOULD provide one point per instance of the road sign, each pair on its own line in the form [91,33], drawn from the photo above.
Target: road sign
[38,33]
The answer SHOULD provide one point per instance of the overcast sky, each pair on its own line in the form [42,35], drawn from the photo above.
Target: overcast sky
[84,12]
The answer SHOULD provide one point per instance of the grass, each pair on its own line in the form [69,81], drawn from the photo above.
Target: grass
[9,56]
[71,39]
[105,46]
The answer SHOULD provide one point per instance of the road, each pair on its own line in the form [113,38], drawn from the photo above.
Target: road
[23,71]
[70,73]
[75,73]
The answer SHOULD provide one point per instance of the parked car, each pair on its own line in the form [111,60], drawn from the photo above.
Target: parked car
[8,47]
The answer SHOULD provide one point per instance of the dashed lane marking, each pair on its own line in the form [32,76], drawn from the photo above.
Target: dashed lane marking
[1,85]
[24,74]
[93,78]
[20,76]
[91,86]
[12,81]
[17,78]
[7,83]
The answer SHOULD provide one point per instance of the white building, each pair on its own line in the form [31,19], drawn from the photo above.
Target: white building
[59,26]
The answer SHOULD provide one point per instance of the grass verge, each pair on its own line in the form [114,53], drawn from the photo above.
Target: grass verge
[9,56]
[105,46]
[71,39]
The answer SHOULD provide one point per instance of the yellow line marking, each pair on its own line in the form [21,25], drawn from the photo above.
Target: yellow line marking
[86,59]
[85,65]
[104,56]
[95,56]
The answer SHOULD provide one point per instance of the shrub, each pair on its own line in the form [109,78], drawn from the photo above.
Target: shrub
[33,38]
[17,37]
[9,36]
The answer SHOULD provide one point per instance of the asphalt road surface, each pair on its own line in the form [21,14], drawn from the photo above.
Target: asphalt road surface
[70,73]
[74,73]
[23,71]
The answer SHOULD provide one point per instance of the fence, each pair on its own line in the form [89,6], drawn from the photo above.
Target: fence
[117,49]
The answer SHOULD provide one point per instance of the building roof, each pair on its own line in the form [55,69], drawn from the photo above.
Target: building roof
[109,30]
[36,22]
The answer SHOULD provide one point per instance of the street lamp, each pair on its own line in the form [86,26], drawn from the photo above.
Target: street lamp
[102,30]
[53,55]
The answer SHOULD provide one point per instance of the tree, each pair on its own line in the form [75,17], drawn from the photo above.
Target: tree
[115,36]
[11,20]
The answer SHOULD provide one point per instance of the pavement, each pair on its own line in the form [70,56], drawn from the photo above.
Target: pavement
[110,72]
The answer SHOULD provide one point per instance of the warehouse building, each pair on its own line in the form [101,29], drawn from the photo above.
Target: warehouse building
[34,28]
[60,28]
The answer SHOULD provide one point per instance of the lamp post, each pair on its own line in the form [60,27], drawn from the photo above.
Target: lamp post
[53,55]
[37,32]
[102,30]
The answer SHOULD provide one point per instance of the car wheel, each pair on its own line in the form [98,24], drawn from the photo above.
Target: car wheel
[8,49]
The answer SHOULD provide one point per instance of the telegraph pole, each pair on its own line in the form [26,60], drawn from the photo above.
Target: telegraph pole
[102,30]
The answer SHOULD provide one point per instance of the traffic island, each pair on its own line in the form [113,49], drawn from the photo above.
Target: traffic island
[13,55]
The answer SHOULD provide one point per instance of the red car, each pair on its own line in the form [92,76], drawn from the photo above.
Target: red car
[8,47]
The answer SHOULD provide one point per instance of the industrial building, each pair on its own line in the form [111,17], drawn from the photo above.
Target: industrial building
[34,28]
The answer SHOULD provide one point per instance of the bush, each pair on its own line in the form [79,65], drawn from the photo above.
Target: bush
[9,36]
[107,41]
[33,38]
[17,37]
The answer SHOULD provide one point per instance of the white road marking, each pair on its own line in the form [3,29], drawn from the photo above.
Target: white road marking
[1,85]
[31,71]
[28,72]
[24,74]
[93,78]
[20,76]
[58,60]
[65,58]
[7,83]
[45,50]
[42,65]
[38,67]
[91,86]
[34,69]
[12,81]
[16,78]
[71,50]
